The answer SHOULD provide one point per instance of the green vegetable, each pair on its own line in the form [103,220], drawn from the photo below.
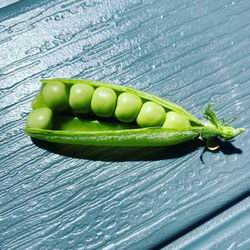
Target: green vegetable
[151,115]
[103,102]
[40,118]
[128,107]
[175,120]
[55,96]
[80,98]
[126,121]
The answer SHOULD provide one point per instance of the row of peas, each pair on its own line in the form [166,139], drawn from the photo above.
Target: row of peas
[103,102]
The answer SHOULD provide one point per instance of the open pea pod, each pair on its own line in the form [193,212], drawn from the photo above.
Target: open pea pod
[87,112]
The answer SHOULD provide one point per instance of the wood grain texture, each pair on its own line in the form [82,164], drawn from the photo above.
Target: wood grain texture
[190,52]
[228,230]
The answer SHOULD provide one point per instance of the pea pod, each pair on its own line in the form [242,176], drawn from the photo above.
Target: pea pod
[159,122]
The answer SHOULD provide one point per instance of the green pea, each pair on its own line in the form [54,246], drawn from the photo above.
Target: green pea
[80,97]
[103,102]
[151,115]
[128,107]
[55,96]
[175,120]
[40,118]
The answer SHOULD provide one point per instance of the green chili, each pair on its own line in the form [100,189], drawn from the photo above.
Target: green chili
[87,112]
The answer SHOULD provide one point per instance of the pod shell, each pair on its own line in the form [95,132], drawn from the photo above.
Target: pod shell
[122,137]
[128,137]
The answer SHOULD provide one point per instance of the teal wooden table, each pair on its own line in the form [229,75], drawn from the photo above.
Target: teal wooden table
[191,52]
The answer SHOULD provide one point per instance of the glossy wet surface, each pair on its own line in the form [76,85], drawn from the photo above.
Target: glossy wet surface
[190,52]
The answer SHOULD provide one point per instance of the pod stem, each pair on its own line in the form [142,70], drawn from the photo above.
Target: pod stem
[217,127]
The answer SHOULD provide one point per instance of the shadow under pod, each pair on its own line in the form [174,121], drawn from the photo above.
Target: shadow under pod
[121,154]
[226,147]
